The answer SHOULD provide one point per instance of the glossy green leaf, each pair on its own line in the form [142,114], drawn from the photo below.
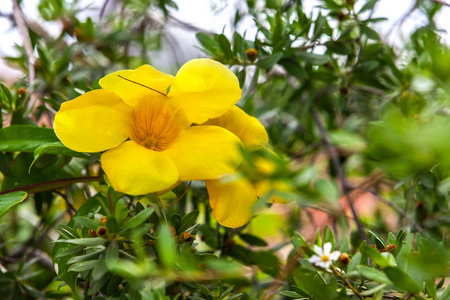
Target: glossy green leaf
[269,62]
[25,138]
[253,240]
[373,274]
[402,280]
[138,219]
[188,220]
[8,201]
[166,246]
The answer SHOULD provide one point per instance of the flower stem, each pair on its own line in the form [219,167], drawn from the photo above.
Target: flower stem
[345,280]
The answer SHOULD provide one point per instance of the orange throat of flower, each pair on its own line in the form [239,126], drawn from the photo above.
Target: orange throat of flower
[154,125]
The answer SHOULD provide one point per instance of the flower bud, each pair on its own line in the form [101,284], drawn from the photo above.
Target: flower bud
[391,247]
[344,259]
[103,220]
[187,237]
[102,231]
[252,54]
[92,233]
[21,91]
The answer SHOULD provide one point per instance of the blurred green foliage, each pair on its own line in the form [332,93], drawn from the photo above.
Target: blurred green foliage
[354,121]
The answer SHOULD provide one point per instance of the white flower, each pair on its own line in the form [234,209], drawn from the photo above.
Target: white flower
[324,257]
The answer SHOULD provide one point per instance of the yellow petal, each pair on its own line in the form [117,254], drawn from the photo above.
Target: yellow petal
[134,85]
[205,152]
[204,89]
[93,122]
[232,200]
[251,132]
[135,170]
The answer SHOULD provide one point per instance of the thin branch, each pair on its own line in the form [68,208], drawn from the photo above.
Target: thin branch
[347,283]
[102,10]
[189,26]
[23,29]
[52,185]
[341,174]
[162,203]
[69,204]
[441,2]
[396,208]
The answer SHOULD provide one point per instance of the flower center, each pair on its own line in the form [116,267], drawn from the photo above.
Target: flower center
[324,258]
[154,125]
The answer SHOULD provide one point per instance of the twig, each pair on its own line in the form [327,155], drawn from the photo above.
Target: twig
[341,174]
[441,2]
[347,283]
[52,185]
[162,203]
[102,10]
[69,204]
[189,26]
[396,208]
[23,29]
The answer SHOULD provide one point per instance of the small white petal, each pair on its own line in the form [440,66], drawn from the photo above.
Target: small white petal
[325,264]
[314,259]
[334,255]
[318,250]
[327,248]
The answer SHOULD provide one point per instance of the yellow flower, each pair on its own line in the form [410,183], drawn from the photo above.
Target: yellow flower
[233,196]
[142,120]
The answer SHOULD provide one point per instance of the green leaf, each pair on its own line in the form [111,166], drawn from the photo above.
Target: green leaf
[328,189]
[290,294]
[83,241]
[431,288]
[83,266]
[55,148]
[138,219]
[112,225]
[225,45]
[8,201]
[205,291]
[354,263]
[339,47]
[293,67]
[88,256]
[373,274]
[253,240]
[188,221]
[211,46]
[369,32]
[166,246]
[112,253]
[314,59]
[175,221]
[59,248]
[69,252]
[402,280]
[269,62]
[86,222]
[369,5]
[378,240]
[25,138]
[377,257]
[121,211]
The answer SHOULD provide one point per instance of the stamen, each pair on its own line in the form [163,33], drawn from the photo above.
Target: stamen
[142,85]
[187,188]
